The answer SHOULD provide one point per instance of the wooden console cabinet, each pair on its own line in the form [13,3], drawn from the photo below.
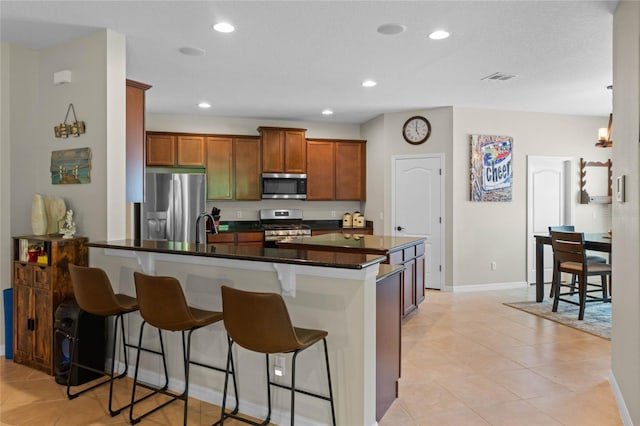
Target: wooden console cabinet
[38,289]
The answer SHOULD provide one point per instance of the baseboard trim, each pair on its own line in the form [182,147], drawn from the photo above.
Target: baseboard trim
[2,353]
[485,287]
[622,407]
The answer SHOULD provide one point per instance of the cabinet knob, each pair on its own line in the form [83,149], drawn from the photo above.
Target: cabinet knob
[399,228]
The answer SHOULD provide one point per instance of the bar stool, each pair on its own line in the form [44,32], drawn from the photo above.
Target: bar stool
[94,294]
[163,306]
[260,322]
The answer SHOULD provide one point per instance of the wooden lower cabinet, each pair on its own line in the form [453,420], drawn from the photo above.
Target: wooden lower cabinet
[237,238]
[388,338]
[38,289]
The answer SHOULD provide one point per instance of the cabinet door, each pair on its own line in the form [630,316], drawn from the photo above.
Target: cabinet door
[219,168]
[190,151]
[22,335]
[295,152]
[419,279]
[272,151]
[161,150]
[246,153]
[43,327]
[320,170]
[350,171]
[408,289]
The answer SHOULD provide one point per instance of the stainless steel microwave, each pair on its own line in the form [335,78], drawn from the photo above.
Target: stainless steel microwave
[284,185]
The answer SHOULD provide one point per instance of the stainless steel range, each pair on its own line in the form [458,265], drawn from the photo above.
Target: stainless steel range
[282,225]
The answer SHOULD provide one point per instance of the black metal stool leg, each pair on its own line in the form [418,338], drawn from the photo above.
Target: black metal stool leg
[293,386]
[326,357]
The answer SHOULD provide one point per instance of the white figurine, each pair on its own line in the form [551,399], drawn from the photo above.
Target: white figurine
[69,227]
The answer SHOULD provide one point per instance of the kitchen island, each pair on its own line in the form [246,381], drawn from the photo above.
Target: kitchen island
[407,251]
[337,294]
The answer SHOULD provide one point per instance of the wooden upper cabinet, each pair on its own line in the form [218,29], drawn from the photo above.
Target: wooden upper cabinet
[190,151]
[161,150]
[135,140]
[336,170]
[166,149]
[351,178]
[219,168]
[233,168]
[283,150]
[320,170]
[246,152]
[295,151]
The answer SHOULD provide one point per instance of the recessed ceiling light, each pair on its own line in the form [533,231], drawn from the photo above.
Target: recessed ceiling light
[391,29]
[204,105]
[439,35]
[224,27]
[327,112]
[368,83]
[192,51]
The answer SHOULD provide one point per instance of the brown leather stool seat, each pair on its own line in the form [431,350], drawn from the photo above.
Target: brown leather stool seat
[163,306]
[260,322]
[94,294]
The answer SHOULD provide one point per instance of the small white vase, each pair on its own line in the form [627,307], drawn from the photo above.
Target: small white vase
[38,215]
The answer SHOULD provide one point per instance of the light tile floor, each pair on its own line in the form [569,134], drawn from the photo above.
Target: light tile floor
[466,360]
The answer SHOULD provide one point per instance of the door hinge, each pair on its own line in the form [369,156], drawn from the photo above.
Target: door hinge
[440,172]
[440,219]
[440,268]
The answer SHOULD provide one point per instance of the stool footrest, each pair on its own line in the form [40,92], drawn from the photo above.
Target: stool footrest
[326,398]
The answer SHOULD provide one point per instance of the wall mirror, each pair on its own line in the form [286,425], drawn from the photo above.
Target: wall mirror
[596,186]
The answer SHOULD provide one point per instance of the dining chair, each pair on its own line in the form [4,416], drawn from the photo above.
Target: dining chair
[569,255]
[591,258]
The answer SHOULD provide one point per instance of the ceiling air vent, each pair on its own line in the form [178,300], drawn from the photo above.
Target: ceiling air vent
[499,76]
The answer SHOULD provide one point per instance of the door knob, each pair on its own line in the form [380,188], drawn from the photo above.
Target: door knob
[399,228]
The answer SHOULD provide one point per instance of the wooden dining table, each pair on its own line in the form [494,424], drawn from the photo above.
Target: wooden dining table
[592,241]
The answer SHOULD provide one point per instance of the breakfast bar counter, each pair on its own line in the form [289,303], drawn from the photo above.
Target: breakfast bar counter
[336,292]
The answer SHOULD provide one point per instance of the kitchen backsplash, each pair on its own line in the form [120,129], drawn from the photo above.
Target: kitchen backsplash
[313,210]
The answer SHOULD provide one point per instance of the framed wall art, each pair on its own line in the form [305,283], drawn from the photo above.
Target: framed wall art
[491,168]
[71,166]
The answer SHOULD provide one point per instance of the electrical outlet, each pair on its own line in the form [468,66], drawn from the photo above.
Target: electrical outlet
[494,265]
[333,213]
[381,216]
[238,214]
[278,365]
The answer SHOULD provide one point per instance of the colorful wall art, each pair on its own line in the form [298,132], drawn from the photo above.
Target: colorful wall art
[71,166]
[491,168]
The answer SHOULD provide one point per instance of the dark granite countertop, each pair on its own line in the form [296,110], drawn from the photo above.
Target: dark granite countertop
[381,244]
[254,225]
[259,254]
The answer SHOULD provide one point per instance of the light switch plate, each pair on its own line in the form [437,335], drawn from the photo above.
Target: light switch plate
[620,190]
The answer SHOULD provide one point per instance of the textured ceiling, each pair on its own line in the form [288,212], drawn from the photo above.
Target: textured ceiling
[290,60]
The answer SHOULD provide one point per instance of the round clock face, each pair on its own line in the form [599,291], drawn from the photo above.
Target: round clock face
[416,130]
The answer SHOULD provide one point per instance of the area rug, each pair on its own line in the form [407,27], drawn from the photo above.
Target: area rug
[597,316]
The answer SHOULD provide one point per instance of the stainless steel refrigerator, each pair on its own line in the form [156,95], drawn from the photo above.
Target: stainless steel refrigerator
[171,206]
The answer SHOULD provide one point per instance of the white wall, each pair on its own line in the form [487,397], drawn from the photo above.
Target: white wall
[248,210]
[88,59]
[486,232]
[32,105]
[625,345]
[476,234]
[19,109]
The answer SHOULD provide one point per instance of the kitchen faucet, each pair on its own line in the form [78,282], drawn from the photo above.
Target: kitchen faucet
[206,216]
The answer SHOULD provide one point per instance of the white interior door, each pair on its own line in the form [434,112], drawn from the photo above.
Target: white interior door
[548,204]
[417,206]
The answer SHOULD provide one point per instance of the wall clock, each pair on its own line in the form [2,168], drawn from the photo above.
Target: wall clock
[416,130]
